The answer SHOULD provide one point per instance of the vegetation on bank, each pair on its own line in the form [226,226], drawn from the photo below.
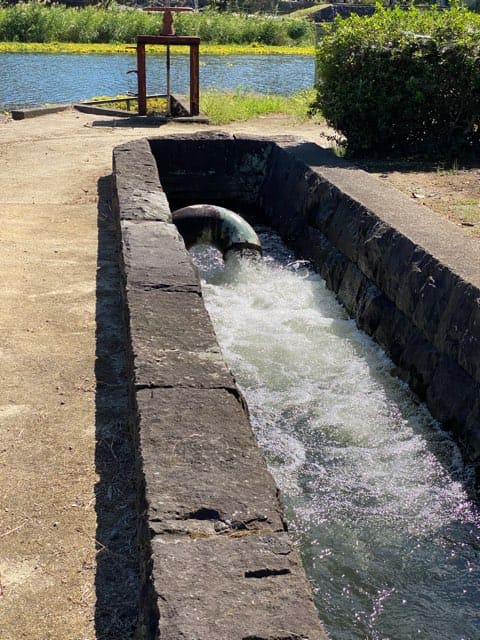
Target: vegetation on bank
[111,48]
[229,106]
[403,82]
[225,106]
[36,22]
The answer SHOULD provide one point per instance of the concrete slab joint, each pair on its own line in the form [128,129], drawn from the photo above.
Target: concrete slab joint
[218,563]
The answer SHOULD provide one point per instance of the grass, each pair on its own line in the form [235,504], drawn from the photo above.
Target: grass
[464,211]
[304,13]
[222,107]
[127,103]
[112,48]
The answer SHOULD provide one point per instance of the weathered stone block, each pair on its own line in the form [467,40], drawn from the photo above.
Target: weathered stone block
[138,192]
[201,461]
[154,256]
[247,588]
[350,289]
[453,393]
[162,320]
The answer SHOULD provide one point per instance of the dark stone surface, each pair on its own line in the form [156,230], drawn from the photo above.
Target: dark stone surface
[212,168]
[173,342]
[138,192]
[201,461]
[170,320]
[245,588]
[154,256]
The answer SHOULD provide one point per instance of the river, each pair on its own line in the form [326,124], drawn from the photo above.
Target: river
[30,79]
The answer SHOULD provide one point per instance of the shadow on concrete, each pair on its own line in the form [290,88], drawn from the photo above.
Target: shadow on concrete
[417,165]
[134,121]
[117,577]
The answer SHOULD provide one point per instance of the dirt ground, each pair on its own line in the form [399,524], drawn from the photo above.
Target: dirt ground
[451,191]
[67,525]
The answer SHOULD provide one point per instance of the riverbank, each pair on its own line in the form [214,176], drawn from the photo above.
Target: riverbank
[111,48]
[34,22]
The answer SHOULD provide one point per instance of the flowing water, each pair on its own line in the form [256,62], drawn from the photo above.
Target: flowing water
[30,79]
[374,491]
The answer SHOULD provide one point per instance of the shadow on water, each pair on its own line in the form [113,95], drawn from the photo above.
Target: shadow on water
[117,578]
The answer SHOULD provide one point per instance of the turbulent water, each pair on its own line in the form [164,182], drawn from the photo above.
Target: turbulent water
[375,492]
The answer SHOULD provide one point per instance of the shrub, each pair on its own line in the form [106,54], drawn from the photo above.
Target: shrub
[403,82]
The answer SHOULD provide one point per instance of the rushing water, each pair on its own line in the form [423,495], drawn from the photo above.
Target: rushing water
[30,79]
[374,490]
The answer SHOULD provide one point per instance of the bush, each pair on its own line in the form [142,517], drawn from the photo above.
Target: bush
[403,82]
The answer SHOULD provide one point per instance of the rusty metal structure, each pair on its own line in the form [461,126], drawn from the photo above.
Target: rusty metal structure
[168,38]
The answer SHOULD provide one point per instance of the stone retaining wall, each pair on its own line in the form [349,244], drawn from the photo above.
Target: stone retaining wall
[213,537]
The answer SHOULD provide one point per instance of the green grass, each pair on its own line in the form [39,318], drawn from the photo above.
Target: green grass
[127,103]
[222,107]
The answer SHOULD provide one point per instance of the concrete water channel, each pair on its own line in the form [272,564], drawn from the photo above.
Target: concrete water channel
[217,562]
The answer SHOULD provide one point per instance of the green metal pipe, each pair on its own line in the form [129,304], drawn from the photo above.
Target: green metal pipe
[220,227]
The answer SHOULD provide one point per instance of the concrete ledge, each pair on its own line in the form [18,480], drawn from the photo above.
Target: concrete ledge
[33,112]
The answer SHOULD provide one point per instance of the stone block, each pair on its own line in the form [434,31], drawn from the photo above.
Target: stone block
[154,256]
[452,394]
[201,462]
[245,588]
[162,320]
[138,192]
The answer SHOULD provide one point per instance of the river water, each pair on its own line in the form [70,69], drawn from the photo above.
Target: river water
[376,494]
[33,79]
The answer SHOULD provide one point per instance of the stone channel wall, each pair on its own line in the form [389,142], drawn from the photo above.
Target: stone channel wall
[218,563]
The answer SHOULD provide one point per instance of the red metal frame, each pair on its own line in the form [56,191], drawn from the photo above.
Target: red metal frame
[193,43]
